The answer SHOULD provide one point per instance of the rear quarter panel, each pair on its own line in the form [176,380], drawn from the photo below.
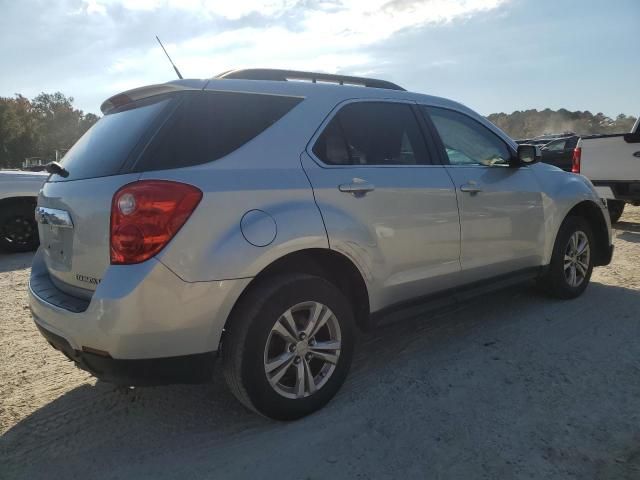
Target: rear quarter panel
[265,174]
[212,246]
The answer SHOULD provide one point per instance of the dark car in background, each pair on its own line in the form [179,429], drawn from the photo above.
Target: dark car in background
[559,152]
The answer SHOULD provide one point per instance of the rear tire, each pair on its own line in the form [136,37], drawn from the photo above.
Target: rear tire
[571,264]
[259,336]
[18,227]
[616,208]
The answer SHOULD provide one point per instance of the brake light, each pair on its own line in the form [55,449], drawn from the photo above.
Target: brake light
[146,215]
[575,160]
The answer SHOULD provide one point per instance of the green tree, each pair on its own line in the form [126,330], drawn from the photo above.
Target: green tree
[532,123]
[39,127]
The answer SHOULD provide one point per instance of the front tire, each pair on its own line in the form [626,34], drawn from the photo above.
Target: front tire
[288,347]
[571,264]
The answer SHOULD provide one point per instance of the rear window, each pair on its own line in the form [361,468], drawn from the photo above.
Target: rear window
[201,127]
[105,147]
[209,125]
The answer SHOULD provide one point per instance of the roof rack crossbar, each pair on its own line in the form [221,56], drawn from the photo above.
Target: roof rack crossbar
[286,75]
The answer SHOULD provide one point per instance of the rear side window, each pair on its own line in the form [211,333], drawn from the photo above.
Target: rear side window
[372,133]
[209,125]
[105,147]
[467,141]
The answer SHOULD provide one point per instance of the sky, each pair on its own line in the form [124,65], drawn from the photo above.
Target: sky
[492,55]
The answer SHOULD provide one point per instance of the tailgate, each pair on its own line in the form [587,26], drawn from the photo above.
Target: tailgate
[610,158]
[74,205]
[73,225]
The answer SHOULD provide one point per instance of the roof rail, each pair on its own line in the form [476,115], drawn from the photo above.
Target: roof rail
[286,75]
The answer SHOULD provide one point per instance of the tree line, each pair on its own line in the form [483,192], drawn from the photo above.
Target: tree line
[38,127]
[532,123]
[49,122]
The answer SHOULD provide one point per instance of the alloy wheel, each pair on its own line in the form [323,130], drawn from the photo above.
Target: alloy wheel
[577,259]
[302,350]
[18,231]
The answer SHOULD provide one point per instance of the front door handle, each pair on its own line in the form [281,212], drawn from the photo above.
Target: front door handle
[636,154]
[357,187]
[470,188]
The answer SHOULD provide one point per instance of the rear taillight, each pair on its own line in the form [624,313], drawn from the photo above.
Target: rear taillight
[575,160]
[146,215]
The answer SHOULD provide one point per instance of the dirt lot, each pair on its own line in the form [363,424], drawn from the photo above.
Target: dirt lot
[514,385]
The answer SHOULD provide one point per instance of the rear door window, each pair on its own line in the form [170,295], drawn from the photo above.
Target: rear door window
[209,125]
[105,147]
[372,133]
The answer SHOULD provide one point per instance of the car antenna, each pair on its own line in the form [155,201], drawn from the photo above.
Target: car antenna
[172,64]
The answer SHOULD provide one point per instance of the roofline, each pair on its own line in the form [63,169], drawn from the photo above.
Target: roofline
[314,77]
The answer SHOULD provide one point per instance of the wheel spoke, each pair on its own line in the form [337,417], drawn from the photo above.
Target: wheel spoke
[572,279]
[290,323]
[314,315]
[279,361]
[330,345]
[286,328]
[572,243]
[320,323]
[583,267]
[327,357]
[311,383]
[275,378]
[583,245]
[300,376]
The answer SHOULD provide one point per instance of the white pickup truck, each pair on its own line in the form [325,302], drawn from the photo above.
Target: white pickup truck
[18,193]
[612,163]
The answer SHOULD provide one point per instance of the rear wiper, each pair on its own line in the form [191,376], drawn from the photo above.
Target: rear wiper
[57,169]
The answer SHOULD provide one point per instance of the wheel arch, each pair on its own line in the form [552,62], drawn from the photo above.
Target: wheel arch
[590,211]
[18,200]
[335,267]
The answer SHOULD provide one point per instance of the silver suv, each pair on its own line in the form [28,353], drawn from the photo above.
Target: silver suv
[262,215]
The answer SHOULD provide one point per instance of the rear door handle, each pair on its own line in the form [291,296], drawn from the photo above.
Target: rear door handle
[470,188]
[357,187]
[636,154]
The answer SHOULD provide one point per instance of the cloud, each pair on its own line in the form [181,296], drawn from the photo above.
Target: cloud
[326,36]
[94,48]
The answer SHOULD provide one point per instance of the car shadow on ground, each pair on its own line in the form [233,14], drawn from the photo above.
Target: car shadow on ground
[628,231]
[630,236]
[174,425]
[627,226]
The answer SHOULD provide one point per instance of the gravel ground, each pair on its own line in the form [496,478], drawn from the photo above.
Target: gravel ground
[513,385]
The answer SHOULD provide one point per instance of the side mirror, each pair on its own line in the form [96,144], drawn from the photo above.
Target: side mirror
[527,155]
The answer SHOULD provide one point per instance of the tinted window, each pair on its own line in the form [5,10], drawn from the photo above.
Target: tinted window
[466,141]
[372,133]
[557,146]
[210,125]
[105,147]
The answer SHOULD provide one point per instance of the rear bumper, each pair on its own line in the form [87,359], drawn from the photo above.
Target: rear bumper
[138,312]
[625,190]
[196,368]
